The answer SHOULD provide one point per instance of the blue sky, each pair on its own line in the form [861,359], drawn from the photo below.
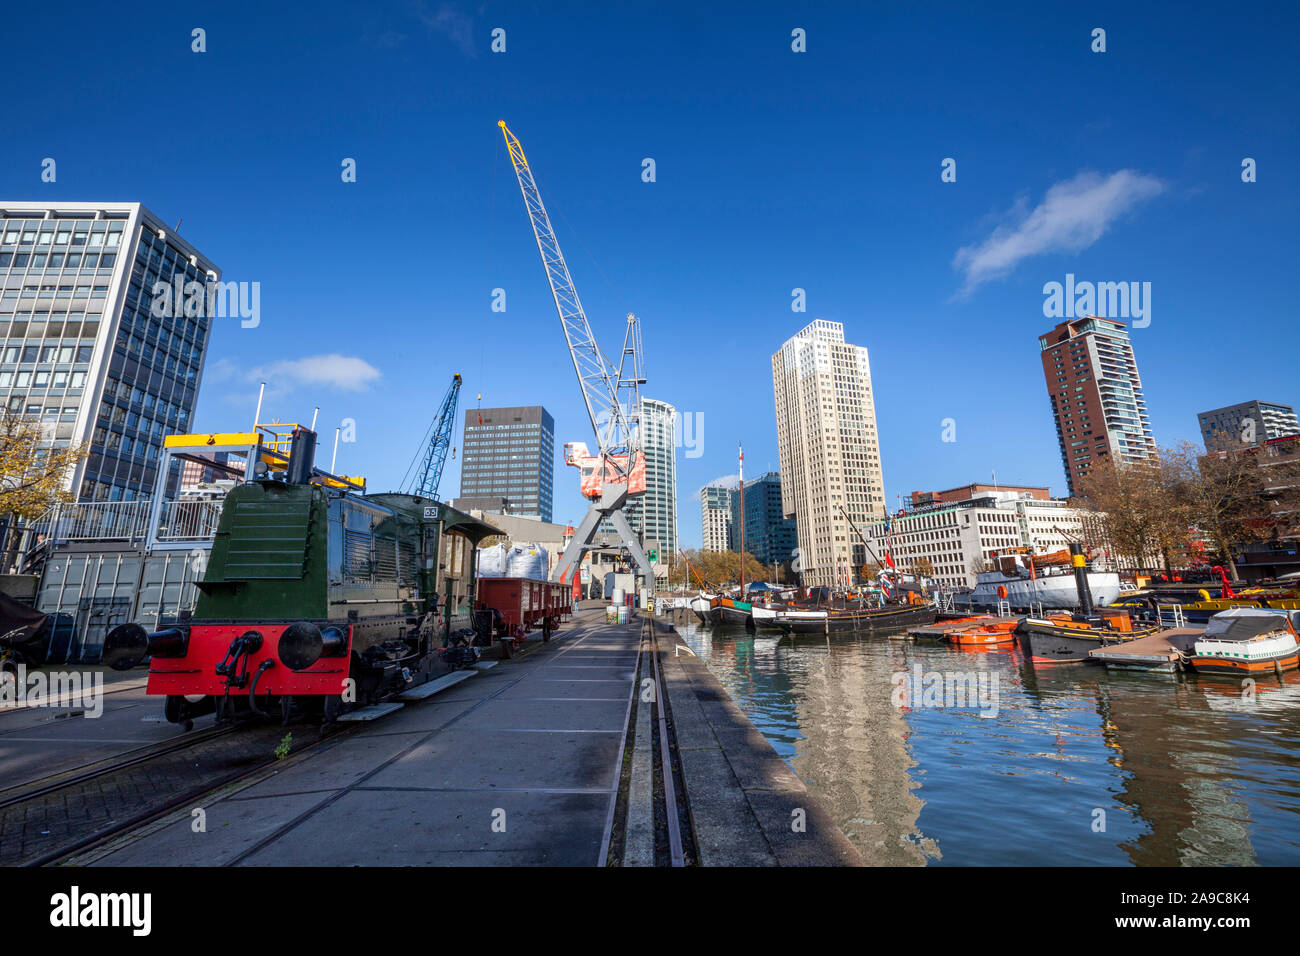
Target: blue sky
[775,170]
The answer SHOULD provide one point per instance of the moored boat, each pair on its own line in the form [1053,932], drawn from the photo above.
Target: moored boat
[1001,632]
[1025,581]
[828,620]
[1242,642]
[764,615]
[1071,640]
[700,606]
[729,610]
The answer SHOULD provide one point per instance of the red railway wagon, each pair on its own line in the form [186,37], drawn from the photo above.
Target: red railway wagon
[524,603]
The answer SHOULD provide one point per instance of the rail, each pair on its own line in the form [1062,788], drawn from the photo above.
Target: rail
[183,520]
[94,521]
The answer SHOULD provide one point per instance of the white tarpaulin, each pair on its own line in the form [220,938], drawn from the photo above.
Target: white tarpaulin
[527,561]
[492,561]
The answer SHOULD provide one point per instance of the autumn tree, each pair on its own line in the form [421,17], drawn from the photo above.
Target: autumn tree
[33,475]
[923,567]
[722,568]
[1135,508]
[1236,497]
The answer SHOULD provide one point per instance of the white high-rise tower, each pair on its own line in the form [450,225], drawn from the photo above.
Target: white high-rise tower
[828,447]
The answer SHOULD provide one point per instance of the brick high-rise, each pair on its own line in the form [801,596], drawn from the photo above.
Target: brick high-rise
[1096,394]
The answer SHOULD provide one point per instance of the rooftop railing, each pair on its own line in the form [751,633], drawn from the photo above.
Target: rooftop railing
[183,520]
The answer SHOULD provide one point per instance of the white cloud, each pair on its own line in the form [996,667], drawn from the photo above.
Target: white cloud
[726,481]
[1072,216]
[447,20]
[344,372]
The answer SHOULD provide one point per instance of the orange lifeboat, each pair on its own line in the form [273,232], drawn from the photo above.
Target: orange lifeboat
[998,632]
[983,635]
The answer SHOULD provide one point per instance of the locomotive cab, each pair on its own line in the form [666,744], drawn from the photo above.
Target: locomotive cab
[314,599]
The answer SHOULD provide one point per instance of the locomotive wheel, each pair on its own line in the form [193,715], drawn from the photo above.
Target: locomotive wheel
[333,706]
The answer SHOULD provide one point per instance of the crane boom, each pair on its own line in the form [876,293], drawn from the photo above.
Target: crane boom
[613,421]
[612,394]
[435,455]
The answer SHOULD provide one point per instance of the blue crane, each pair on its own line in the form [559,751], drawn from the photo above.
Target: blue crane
[430,474]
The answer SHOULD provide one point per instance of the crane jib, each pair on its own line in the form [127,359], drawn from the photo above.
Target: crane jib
[611,396]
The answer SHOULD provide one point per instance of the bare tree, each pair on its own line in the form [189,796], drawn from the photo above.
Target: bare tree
[1236,497]
[1135,510]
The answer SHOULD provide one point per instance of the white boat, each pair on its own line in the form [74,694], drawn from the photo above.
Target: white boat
[1052,587]
[700,605]
[1243,641]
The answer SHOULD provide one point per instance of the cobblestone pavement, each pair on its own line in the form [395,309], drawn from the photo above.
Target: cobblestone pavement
[30,829]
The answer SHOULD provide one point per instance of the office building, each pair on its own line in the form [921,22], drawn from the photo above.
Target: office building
[828,447]
[1249,423]
[717,517]
[957,531]
[769,536]
[1096,395]
[653,515]
[509,453]
[82,347]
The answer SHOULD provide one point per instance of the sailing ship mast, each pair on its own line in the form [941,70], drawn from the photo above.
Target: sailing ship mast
[742,522]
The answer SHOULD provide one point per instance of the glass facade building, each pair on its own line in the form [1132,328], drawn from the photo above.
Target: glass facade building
[509,453]
[81,348]
[769,535]
[653,515]
[1245,424]
[1096,396]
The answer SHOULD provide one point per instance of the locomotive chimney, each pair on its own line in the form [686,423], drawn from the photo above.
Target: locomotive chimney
[302,456]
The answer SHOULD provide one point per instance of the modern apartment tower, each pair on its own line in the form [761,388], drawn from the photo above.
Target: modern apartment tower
[654,514]
[716,517]
[509,453]
[769,536]
[1246,424]
[1096,394]
[82,347]
[828,448]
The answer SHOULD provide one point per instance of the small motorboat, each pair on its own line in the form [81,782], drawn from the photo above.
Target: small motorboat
[1241,642]
[1001,632]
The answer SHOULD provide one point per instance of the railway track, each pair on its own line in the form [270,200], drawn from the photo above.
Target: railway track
[47,820]
[651,825]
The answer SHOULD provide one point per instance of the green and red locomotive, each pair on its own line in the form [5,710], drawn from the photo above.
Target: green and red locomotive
[315,600]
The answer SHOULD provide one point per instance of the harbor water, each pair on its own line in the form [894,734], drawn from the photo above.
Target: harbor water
[928,754]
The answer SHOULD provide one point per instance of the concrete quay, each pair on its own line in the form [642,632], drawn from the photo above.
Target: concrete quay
[536,760]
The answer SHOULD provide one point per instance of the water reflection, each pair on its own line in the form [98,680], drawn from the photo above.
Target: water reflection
[1077,765]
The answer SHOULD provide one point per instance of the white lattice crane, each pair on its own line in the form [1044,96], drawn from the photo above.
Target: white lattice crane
[612,394]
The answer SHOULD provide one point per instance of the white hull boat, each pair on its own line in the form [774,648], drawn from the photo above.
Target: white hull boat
[1052,591]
